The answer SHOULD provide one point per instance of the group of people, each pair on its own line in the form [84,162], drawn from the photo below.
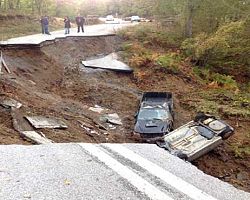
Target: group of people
[80,21]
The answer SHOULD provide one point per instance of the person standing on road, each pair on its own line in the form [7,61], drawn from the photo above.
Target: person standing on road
[45,25]
[42,24]
[67,25]
[80,21]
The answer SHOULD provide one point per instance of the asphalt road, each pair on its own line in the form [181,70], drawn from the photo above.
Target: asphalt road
[105,171]
[93,30]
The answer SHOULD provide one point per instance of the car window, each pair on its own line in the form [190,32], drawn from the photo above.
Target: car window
[149,114]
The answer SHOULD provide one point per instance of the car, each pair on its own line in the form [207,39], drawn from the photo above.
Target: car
[127,19]
[110,18]
[154,117]
[135,19]
[197,137]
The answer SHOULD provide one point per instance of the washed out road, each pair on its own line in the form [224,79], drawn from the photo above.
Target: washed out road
[102,171]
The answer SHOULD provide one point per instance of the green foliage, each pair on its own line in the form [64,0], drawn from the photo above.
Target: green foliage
[207,76]
[241,151]
[220,101]
[230,45]
[170,61]
[152,35]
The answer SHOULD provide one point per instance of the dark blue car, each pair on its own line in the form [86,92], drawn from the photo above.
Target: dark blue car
[155,115]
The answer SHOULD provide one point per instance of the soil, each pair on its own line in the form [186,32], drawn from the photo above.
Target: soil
[51,82]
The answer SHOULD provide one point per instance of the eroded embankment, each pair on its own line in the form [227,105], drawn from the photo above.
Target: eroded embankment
[49,82]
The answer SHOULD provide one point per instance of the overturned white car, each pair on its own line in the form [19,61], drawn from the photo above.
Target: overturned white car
[197,137]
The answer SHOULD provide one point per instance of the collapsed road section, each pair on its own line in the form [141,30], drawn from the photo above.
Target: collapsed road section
[97,105]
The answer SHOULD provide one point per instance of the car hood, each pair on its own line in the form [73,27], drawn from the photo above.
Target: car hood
[151,126]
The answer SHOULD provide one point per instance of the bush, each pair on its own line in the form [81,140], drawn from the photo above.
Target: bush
[221,80]
[228,46]
[153,35]
[170,61]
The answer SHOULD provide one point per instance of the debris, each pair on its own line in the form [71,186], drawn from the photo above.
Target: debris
[112,127]
[113,119]
[36,137]
[10,103]
[67,182]
[90,129]
[3,63]
[45,122]
[108,62]
[27,196]
[97,109]
[97,124]
[85,124]
[32,82]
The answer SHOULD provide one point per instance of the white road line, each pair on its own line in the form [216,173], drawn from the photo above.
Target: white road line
[134,179]
[161,173]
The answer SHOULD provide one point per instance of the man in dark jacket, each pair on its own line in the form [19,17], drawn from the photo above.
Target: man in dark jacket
[67,25]
[45,25]
[80,21]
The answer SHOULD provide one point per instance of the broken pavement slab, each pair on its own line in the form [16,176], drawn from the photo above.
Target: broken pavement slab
[109,62]
[36,137]
[45,122]
[10,103]
[25,129]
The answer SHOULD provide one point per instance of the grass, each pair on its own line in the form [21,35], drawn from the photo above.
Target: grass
[220,102]
[151,35]
[206,76]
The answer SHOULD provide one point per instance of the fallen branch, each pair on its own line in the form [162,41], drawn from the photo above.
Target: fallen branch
[97,124]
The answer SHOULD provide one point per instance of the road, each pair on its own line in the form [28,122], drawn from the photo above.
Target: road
[104,171]
[93,30]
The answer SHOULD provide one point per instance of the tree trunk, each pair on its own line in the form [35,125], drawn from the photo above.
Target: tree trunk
[189,23]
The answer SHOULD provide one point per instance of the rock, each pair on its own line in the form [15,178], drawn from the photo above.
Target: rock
[241,176]
[97,109]
[113,119]
[10,103]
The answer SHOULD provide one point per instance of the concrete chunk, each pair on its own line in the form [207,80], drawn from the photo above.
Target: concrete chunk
[34,136]
[109,62]
[44,122]
[10,103]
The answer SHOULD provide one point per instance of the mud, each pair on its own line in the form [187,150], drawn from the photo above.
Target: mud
[51,82]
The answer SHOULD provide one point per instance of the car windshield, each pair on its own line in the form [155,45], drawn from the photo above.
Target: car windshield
[135,17]
[149,114]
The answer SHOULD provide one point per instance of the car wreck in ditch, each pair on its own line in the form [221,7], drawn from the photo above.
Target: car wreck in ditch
[155,115]
[197,137]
